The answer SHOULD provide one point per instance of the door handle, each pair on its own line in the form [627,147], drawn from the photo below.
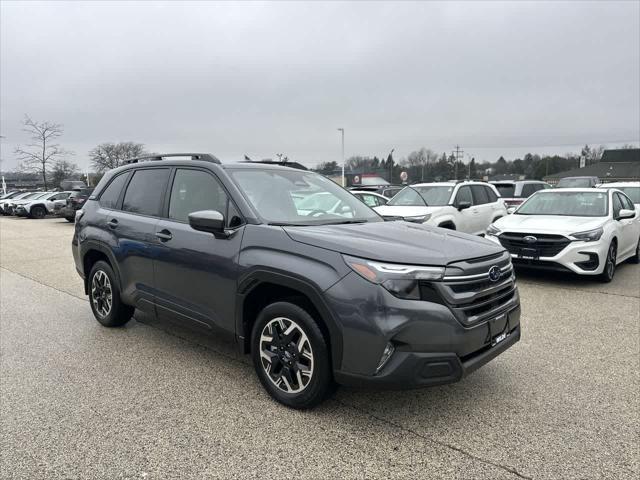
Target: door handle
[164,235]
[113,223]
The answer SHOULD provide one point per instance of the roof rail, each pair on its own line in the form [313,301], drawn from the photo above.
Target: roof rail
[205,157]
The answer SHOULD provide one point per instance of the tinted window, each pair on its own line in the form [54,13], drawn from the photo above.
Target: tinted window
[195,190]
[464,195]
[110,195]
[491,194]
[145,191]
[479,195]
[528,189]
[617,205]
[506,190]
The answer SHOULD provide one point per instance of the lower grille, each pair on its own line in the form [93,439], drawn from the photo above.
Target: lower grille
[543,245]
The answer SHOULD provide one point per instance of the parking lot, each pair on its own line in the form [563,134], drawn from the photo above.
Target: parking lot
[153,400]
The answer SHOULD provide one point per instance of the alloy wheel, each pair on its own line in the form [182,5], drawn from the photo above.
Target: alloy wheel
[101,293]
[611,261]
[286,355]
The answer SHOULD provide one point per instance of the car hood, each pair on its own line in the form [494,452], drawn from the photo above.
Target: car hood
[548,223]
[403,211]
[396,242]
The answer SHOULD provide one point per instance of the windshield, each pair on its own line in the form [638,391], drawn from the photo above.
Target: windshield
[297,197]
[373,181]
[420,196]
[574,183]
[632,192]
[572,204]
[506,190]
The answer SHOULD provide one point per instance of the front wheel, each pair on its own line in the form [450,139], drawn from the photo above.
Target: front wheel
[38,212]
[104,297]
[610,264]
[290,356]
[636,257]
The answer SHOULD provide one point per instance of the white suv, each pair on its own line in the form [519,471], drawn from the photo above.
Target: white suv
[469,207]
[40,206]
[582,230]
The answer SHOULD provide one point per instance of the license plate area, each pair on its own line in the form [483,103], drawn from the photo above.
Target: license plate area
[529,253]
[498,329]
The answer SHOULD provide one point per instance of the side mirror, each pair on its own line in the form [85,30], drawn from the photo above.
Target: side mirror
[210,221]
[624,213]
[510,210]
[463,205]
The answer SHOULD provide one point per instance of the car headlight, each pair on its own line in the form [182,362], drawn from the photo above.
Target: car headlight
[401,281]
[589,236]
[417,218]
[493,230]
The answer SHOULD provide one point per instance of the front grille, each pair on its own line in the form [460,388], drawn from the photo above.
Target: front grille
[544,245]
[469,292]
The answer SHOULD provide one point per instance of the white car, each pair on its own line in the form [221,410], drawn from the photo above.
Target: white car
[583,230]
[40,206]
[371,199]
[630,189]
[9,207]
[469,207]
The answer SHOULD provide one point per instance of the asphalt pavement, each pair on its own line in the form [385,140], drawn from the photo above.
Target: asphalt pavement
[153,400]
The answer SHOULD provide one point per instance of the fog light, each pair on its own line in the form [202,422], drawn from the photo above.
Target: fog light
[386,355]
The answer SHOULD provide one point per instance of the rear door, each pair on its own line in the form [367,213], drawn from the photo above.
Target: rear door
[131,220]
[195,272]
[629,226]
[483,209]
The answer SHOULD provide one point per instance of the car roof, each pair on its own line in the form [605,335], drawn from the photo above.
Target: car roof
[513,182]
[565,190]
[619,184]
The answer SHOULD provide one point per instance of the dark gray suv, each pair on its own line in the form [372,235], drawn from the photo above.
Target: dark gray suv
[310,281]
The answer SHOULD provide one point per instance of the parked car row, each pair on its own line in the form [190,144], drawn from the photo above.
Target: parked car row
[40,204]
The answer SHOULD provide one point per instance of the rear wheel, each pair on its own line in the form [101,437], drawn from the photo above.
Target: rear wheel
[38,212]
[610,264]
[70,219]
[104,297]
[290,356]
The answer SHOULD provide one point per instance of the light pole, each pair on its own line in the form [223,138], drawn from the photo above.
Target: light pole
[341,130]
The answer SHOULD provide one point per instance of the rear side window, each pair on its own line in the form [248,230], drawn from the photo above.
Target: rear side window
[528,189]
[145,191]
[110,195]
[480,196]
[195,190]
[507,190]
[491,194]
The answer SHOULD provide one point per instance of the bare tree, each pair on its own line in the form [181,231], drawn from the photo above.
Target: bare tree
[111,155]
[39,155]
[63,170]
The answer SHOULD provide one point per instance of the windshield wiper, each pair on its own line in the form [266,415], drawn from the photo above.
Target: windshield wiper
[345,222]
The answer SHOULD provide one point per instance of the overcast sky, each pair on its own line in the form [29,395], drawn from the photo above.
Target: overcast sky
[263,78]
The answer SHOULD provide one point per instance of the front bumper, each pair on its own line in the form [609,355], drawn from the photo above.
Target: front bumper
[583,258]
[432,346]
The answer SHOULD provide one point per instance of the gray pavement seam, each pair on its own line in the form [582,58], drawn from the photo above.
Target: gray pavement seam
[437,442]
[43,284]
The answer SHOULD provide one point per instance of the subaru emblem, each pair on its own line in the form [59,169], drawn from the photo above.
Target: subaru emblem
[530,239]
[495,273]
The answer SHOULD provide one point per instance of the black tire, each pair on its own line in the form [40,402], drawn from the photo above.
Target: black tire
[117,313]
[636,257]
[320,382]
[70,219]
[610,263]
[38,212]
